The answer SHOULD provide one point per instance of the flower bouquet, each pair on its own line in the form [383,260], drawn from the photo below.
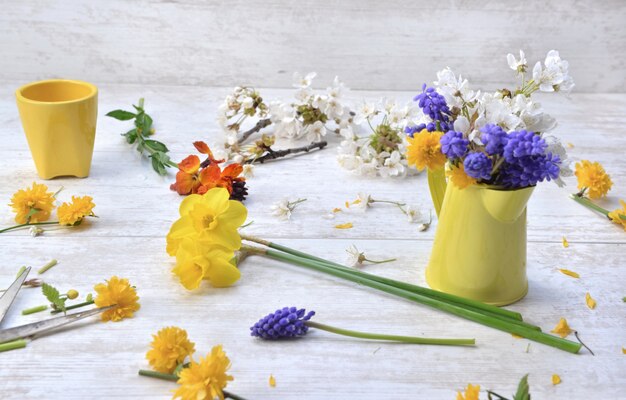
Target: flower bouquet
[494,149]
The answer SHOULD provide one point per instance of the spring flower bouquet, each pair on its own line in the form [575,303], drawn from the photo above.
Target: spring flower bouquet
[494,148]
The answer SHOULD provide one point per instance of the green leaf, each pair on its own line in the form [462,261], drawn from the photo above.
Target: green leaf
[121,115]
[156,145]
[53,296]
[147,124]
[522,389]
[131,136]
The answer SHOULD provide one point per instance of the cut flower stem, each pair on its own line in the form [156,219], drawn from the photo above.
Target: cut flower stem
[504,324]
[392,338]
[14,227]
[402,285]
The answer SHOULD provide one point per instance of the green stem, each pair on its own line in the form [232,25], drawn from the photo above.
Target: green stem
[46,267]
[33,310]
[503,325]
[401,285]
[397,203]
[380,262]
[393,338]
[74,306]
[578,198]
[158,375]
[16,344]
[10,228]
[174,378]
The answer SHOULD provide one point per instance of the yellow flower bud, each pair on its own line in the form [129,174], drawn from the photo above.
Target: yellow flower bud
[72,294]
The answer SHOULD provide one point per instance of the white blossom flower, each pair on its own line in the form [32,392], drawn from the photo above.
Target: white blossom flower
[247,102]
[355,257]
[517,65]
[303,82]
[362,202]
[315,132]
[365,112]
[455,90]
[35,231]
[413,214]
[284,208]
[248,170]
[394,165]
[555,147]
[337,89]
[555,76]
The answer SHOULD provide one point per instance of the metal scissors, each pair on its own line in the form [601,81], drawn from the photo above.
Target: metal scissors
[30,331]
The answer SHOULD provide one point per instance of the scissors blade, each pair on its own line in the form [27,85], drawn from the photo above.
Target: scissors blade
[35,328]
[7,298]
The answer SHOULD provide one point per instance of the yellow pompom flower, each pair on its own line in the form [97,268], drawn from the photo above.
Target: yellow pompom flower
[210,217]
[471,393]
[169,347]
[32,204]
[593,177]
[206,379]
[615,215]
[424,150]
[74,212]
[197,260]
[458,176]
[116,292]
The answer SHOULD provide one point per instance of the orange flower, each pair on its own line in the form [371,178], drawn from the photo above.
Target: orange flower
[187,180]
[203,148]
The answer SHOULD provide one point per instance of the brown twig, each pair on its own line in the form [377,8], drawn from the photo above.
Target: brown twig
[274,154]
[262,123]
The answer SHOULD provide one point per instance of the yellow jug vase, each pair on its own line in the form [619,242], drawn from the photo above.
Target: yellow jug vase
[479,250]
[59,120]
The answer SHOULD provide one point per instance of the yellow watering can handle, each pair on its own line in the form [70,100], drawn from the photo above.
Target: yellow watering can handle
[437,186]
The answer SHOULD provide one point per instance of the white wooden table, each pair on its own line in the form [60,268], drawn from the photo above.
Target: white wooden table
[136,208]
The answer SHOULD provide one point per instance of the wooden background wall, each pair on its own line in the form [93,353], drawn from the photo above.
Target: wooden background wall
[371,44]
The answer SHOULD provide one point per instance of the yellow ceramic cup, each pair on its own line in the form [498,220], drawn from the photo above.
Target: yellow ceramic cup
[59,119]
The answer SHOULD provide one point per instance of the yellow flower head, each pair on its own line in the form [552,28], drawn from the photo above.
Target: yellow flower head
[593,177]
[197,260]
[471,393]
[169,347]
[32,204]
[206,379]
[210,217]
[117,292]
[74,212]
[562,328]
[615,215]
[424,150]
[459,178]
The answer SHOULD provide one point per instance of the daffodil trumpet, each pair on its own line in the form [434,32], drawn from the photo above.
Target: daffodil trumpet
[174,378]
[480,306]
[505,324]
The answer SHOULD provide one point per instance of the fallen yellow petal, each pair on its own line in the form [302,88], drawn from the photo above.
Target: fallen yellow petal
[591,303]
[357,201]
[556,379]
[336,210]
[623,350]
[562,328]
[272,381]
[517,336]
[347,204]
[570,145]
[565,242]
[569,273]
[347,225]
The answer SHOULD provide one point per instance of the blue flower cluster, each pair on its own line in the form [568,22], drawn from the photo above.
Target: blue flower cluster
[454,145]
[287,322]
[526,161]
[434,105]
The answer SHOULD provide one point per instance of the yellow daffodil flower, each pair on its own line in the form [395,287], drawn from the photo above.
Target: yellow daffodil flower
[169,347]
[197,260]
[205,379]
[32,204]
[116,292]
[211,218]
